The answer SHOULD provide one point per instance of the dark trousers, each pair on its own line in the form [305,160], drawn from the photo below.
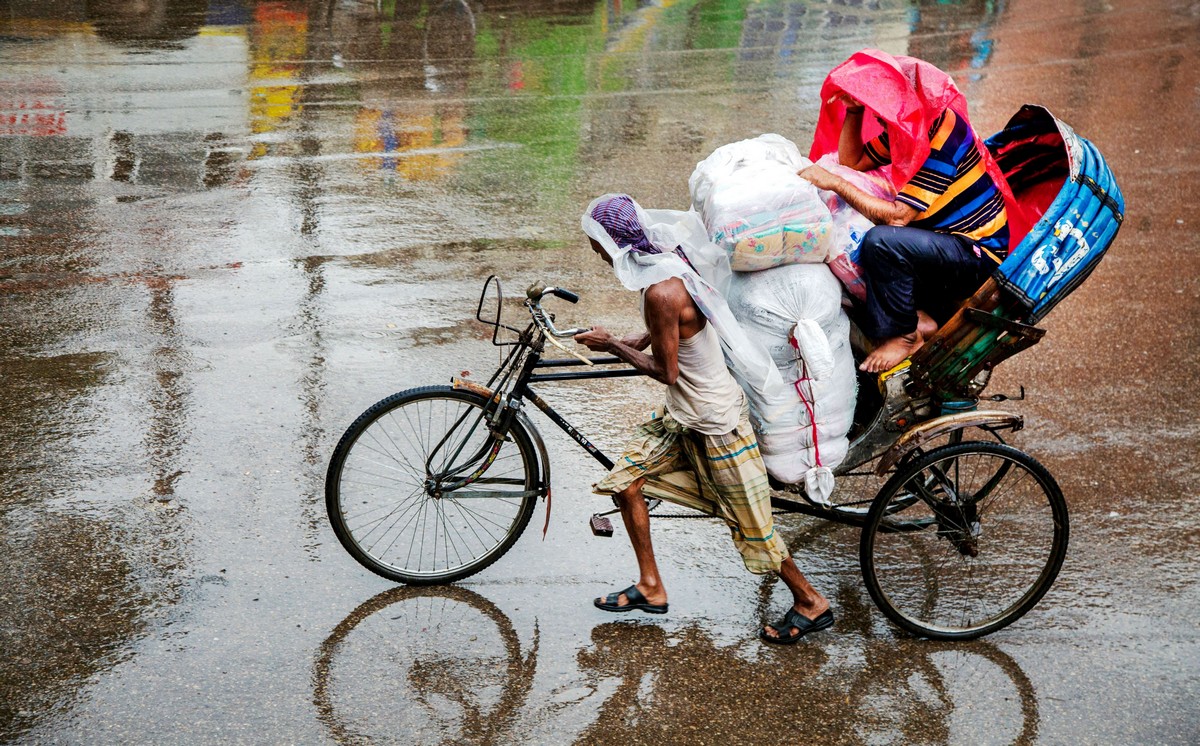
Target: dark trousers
[910,268]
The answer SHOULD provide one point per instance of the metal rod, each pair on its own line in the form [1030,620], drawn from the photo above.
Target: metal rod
[792,506]
[584,375]
[562,362]
[567,427]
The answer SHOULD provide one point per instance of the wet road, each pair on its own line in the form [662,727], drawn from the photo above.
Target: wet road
[227,227]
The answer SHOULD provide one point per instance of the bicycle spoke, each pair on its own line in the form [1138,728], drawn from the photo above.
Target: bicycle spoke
[400,520]
[392,510]
[995,532]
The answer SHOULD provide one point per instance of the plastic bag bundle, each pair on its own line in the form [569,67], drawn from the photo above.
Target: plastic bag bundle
[756,207]
[850,225]
[795,312]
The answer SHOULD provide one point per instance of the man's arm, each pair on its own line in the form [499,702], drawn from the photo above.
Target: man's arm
[663,309]
[638,340]
[850,143]
[878,211]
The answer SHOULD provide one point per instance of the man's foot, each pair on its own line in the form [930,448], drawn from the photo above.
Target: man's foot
[890,353]
[630,599]
[926,328]
[795,625]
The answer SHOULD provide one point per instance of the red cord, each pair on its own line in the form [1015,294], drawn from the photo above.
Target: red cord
[812,417]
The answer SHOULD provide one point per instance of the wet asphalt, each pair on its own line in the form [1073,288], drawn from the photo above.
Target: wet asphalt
[228,227]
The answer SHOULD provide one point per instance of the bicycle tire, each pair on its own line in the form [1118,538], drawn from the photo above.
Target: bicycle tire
[928,561]
[397,430]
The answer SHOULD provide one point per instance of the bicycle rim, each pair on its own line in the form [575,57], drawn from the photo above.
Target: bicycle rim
[964,541]
[389,515]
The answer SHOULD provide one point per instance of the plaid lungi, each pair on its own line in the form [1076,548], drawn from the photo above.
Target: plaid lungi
[732,481]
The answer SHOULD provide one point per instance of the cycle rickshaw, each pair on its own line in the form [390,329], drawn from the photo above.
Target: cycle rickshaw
[434,484]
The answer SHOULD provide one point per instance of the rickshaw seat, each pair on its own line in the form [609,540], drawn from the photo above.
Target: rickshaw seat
[1062,179]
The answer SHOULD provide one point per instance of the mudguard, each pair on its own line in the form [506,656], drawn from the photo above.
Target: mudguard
[921,434]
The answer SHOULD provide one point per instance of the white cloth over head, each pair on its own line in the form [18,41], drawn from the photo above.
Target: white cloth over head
[667,229]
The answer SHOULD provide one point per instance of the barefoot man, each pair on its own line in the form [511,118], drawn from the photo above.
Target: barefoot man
[698,450]
[931,248]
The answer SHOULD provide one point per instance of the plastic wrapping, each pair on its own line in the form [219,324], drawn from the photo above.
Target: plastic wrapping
[748,360]
[908,95]
[849,224]
[757,209]
[795,313]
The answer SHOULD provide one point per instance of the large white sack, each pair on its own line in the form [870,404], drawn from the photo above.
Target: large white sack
[756,208]
[795,312]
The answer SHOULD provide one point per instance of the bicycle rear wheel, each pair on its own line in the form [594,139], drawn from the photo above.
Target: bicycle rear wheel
[964,540]
[389,511]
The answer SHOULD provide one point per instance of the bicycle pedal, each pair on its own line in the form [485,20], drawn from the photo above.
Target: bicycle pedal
[600,525]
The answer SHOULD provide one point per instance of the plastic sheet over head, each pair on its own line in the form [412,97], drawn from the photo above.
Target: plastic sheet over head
[706,281]
[908,95]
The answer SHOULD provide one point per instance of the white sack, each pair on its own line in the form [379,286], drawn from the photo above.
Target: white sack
[796,313]
[756,208]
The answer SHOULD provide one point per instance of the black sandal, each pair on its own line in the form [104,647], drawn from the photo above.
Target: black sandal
[636,601]
[803,626]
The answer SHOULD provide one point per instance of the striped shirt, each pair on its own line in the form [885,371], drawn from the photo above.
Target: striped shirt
[952,191]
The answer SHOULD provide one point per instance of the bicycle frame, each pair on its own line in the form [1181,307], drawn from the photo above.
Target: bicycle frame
[521,390]
[879,442]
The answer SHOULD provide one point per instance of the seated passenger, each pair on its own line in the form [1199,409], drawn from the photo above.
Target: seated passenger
[931,248]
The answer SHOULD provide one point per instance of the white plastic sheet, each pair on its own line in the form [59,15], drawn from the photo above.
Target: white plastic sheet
[666,229]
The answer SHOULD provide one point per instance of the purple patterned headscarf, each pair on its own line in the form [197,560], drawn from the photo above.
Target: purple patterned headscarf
[619,217]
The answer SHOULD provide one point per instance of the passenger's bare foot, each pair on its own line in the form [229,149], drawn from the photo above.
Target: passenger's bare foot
[889,354]
[926,328]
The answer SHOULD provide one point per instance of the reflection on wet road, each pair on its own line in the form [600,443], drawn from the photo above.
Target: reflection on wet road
[228,226]
[446,664]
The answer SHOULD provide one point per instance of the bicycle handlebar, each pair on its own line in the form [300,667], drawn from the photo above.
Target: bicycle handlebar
[565,294]
[534,295]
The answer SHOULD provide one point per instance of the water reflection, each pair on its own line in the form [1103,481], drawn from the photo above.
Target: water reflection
[445,665]
[69,602]
[423,665]
[508,97]
[147,24]
[955,36]
[881,691]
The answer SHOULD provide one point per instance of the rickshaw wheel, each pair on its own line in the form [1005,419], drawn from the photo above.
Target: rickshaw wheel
[964,540]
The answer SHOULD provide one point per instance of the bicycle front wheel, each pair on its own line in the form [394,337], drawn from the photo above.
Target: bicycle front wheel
[964,540]
[386,489]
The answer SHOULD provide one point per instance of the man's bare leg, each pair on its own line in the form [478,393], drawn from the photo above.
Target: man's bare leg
[805,599]
[926,327]
[637,524]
